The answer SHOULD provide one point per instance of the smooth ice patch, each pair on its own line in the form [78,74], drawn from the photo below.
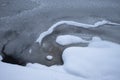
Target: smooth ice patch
[69,39]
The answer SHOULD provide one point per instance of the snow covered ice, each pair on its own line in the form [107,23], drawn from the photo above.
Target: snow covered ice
[100,60]
[94,63]
[80,63]
[69,39]
[41,33]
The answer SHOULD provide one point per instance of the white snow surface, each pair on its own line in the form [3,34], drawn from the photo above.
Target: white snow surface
[99,43]
[93,63]
[15,72]
[69,39]
[49,57]
[98,61]
[74,23]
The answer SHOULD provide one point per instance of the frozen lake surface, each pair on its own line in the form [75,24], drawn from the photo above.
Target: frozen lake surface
[78,39]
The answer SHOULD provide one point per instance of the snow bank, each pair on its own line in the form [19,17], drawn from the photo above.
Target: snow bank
[76,24]
[69,39]
[55,68]
[100,60]
[98,43]
[94,63]
[15,72]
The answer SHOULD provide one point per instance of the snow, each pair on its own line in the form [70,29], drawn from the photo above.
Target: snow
[15,72]
[53,68]
[74,23]
[69,39]
[49,57]
[95,42]
[100,60]
[93,63]
[99,43]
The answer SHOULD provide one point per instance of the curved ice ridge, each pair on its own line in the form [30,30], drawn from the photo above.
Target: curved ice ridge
[73,23]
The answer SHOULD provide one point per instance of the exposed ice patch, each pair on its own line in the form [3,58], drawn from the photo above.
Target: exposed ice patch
[77,24]
[1,58]
[24,12]
[30,50]
[4,4]
[69,39]
[37,1]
